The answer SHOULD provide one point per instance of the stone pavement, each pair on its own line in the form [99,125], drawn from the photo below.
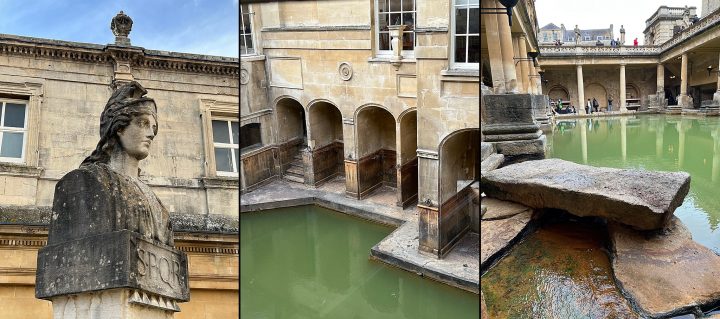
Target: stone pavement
[460,267]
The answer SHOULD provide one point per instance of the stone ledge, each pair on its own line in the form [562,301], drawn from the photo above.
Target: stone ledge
[224,182]
[22,170]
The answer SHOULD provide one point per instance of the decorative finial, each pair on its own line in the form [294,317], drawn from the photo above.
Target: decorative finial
[121,25]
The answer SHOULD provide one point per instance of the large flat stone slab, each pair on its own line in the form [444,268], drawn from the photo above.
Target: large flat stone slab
[499,209]
[496,236]
[643,199]
[664,274]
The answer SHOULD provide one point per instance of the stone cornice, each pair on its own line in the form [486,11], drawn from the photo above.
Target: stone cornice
[300,28]
[106,54]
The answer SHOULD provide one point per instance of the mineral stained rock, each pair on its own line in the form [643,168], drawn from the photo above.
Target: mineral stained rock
[642,199]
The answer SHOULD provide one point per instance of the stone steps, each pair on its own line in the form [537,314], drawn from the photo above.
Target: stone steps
[294,170]
[293,178]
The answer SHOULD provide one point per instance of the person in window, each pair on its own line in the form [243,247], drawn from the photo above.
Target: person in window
[104,194]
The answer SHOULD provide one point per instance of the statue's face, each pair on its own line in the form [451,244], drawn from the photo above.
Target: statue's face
[137,137]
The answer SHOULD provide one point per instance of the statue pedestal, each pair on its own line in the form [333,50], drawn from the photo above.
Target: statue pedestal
[110,304]
[117,274]
[509,123]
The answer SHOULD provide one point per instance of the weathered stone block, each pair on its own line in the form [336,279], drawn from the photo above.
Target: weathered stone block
[119,259]
[643,199]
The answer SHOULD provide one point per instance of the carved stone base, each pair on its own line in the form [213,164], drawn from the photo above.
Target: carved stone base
[112,304]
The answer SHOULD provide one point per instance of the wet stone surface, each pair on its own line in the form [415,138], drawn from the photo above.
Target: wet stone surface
[688,272]
[497,236]
[560,271]
[642,199]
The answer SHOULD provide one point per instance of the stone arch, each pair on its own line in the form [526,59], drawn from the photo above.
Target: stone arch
[458,160]
[632,91]
[291,134]
[597,91]
[407,162]
[325,142]
[375,136]
[558,92]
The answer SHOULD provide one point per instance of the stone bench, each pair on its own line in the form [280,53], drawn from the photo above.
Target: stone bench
[644,200]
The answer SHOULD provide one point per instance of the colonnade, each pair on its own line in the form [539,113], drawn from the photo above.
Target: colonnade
[504,49]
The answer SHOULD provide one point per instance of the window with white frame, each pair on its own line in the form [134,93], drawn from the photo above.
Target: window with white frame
[587,38]
[246,39]
[13,130]
[466,33]
[394,12]
[226,138]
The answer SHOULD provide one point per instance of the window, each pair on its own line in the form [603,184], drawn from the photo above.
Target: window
[246,39]
[395,12]
[599,38]
[225,141]
[250,136]
[13,130]
[554,36]
[466,33]
[571,39]
[545,37]
[587,38]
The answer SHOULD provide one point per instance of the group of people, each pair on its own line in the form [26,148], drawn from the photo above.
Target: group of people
[559,109]
[592,106]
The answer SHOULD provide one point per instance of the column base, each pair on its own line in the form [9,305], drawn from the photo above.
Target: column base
[122,303]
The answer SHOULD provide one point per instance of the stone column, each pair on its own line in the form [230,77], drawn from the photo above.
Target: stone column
[623,137]
[527,65]
[682,101]
[716,96]
[507,52]
[538,81]
[494,51]
[581,91]
[517,63]
[623,97]
[660,80]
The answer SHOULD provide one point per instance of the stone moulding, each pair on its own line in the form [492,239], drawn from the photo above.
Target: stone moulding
[106,54]
[346,71]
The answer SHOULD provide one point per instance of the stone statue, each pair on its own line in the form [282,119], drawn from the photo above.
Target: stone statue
[113,198]
[110,237]
[577,35]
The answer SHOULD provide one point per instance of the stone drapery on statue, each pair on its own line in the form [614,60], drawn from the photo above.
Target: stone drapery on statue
[109,233]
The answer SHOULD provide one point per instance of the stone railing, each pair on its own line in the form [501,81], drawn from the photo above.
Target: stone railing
[551,51]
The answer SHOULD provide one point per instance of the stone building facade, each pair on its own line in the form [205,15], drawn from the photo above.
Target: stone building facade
[326,94]
[666,22]
[551,32]
[52,93]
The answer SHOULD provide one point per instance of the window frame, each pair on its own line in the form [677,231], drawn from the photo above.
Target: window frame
[249,14]
[223,111]
[232,146]
[453,63]
[408,54]
[255,146]
[24,129]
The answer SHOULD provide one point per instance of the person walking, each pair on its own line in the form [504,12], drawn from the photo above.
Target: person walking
[609,108]
[595,104]
[588,107]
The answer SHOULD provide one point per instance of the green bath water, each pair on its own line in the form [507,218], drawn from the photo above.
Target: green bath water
[310,262]
[562,271]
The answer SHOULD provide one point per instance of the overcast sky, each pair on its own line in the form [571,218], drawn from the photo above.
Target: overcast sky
[600,14]
[190,26]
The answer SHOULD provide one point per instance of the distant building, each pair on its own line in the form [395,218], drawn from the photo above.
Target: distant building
[668,21]
[551,32]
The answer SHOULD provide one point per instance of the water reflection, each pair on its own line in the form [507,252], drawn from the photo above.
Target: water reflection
[308,262]
[654,142]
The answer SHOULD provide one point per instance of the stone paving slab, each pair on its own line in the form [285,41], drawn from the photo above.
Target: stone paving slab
[499,235]
[499,209]
[459,268]
[665,274]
